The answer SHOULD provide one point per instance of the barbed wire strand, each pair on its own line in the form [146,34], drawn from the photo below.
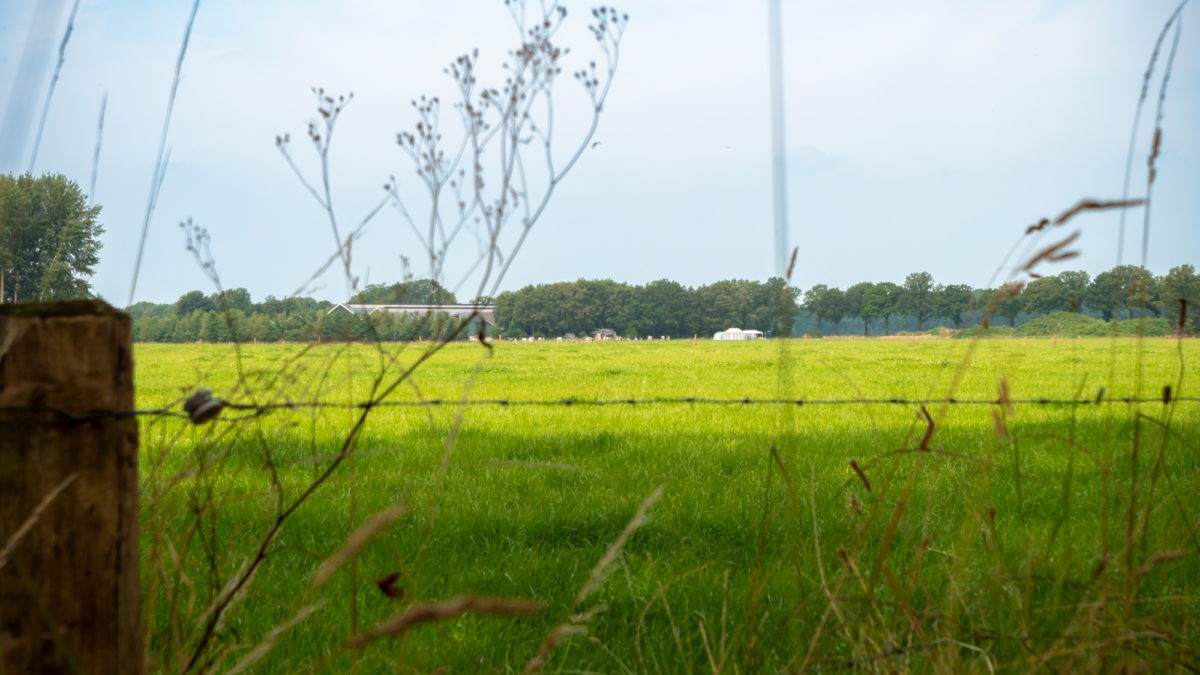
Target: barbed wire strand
[70,417]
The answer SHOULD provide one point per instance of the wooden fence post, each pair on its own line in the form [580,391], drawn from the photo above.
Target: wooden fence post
[69,591]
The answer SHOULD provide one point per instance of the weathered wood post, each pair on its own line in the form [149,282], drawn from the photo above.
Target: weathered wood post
[69,596]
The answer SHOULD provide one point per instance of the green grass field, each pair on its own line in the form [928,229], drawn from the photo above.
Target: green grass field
[1030,546]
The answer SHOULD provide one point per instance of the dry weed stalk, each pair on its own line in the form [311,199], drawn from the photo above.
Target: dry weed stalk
[483,187]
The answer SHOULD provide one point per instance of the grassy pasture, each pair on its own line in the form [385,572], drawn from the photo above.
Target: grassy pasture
[988,559]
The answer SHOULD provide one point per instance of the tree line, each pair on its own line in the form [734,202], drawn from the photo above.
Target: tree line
[666,307]
[1120,293]
[232,314]
[661,307]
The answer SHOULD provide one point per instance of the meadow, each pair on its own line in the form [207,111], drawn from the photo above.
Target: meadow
[1012,539]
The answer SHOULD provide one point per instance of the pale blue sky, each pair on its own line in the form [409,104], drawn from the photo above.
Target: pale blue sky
[922,135]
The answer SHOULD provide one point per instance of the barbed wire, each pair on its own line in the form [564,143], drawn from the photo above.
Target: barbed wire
[204,408]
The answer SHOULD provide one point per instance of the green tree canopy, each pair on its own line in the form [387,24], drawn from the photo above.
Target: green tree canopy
[813,302]
[1046,296]
[418,292]
[917,298]
[1181,283]
[855,297]
[49,239]
[1076,284]
[828,304]
[834,302]
[1119,290]
[1005,301]
[192,301]
[1145,292]
[879,302]
[952,301]
[235,298]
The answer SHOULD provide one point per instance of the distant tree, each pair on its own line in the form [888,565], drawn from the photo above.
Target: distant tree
[295,305]
[210,327]
[879,302]
[269,305]
[1045,296]
[1076,285]
[835,308]
[234,298]
[1006,301]
[1146,292]
[1181,283]
[192,301]
[417,292]
[187,328]
[49,238]
[1119,289]
[813,302]
[575,312]
[149,309]
[1102,294]
[775,306]
[951,302]
[272,331]
[917,298]
[722,305]
[855,298]
[165,330]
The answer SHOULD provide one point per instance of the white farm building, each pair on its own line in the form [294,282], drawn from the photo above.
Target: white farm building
[738,334]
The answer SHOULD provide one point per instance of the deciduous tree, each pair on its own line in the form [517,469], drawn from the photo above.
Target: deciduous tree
[1181,283]
[879,302]
[1076,284]
[1045,296]
[834,302]
[855,299]
[917,298]
[952,301]
[812,302]
[1118,289]
[1006,301]
[49,239]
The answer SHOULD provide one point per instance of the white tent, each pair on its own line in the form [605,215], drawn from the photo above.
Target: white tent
[737,334]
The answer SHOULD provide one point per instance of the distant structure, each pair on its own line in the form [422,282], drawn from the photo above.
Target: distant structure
[456,311]
[604,334]
[738,334]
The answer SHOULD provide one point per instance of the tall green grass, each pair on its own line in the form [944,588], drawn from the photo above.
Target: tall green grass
[1020,540]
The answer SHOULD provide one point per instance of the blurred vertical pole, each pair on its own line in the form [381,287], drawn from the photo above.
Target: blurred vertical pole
[27,83]
[96,156]
[778,147]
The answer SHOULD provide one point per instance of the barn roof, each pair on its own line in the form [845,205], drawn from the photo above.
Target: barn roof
[459,311]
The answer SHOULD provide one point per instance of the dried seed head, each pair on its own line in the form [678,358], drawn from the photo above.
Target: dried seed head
[387,585]
[1001,429]
[866,483]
